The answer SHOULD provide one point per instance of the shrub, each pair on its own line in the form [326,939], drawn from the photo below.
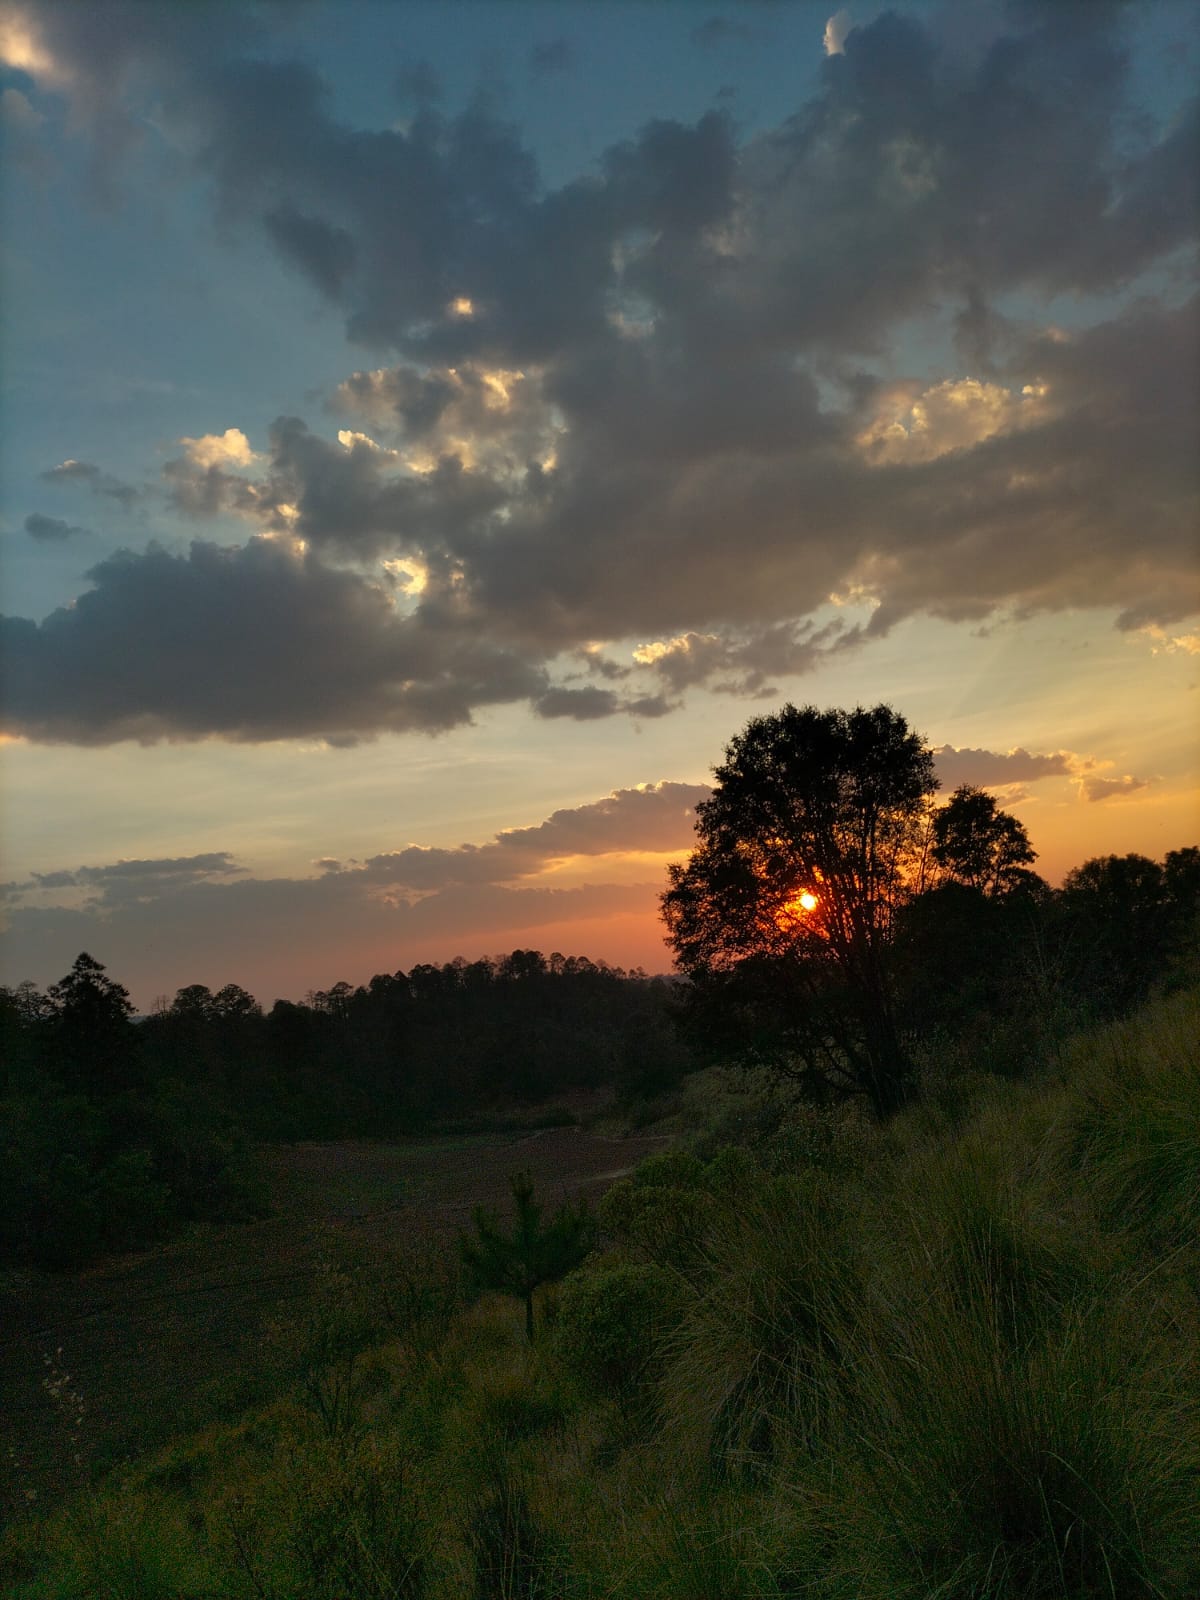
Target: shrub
[612,1318]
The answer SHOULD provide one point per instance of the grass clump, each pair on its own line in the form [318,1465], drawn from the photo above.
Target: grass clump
[1068,1471]
[1134,1130]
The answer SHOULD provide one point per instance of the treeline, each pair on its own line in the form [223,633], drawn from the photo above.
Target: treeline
[436,1044]
[119,1130]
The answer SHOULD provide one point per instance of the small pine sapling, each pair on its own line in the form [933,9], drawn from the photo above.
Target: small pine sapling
[518,1262]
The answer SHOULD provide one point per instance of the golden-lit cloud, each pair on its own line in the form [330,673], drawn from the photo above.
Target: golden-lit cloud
[349,437]
[228,449]
[957,414]
[836,29]
[649,655]
[1170,644]
[410,575]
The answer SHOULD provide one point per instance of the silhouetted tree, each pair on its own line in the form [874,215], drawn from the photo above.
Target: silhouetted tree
[95,1042]
[807,847]
[978,844]
[1124,919]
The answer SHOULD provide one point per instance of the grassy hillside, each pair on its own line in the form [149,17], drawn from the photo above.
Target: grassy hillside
[958,1356]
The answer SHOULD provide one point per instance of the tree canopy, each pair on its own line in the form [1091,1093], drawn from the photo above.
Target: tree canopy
[808,845]
[978,844]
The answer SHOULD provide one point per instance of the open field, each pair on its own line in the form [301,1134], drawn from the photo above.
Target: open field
[157,1343]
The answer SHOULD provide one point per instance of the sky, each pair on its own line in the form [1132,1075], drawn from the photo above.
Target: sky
[430,432]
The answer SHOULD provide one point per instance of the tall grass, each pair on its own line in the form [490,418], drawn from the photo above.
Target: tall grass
[1135,1128]
[956,1359]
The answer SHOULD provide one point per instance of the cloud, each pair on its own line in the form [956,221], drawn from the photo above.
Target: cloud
[1165,643]
[253,642]
[654,818]
[956,414]
[987,769]
[836,29]
[584,705]
[125,882]
[52,530]
[231,448]
[260,932]
[202,918]
[992,769]
[88,474]
[678,412]
[744,663]
[1094,787]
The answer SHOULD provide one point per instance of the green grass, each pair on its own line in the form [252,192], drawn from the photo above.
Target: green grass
[955,1359]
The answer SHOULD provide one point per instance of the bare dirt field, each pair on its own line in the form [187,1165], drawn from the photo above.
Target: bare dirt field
[166,1340]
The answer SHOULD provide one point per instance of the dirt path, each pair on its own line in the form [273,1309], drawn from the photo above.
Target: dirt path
[158,1342]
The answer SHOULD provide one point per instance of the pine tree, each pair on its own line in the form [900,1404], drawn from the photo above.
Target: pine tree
[532,1253]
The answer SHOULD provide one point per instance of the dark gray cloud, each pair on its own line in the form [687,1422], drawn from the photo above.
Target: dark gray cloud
[985,769]
[52,530]
[584,705]
[656,817]
[90,476]
[125,882]
[253,642]
[661,403]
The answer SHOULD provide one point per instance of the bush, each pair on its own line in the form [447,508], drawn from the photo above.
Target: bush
[612,1319]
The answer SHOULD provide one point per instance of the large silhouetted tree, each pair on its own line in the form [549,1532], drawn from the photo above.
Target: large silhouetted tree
[96,1043]
[978,844]
[807,847]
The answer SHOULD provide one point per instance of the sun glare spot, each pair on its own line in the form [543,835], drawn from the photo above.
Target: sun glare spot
[462,306]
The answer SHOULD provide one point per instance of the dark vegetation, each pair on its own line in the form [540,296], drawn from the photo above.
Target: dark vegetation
[910,1308]
[118,1131]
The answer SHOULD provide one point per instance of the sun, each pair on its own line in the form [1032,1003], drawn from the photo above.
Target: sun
[796,911]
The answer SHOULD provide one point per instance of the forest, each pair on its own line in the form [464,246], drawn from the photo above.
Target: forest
[906,1302]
